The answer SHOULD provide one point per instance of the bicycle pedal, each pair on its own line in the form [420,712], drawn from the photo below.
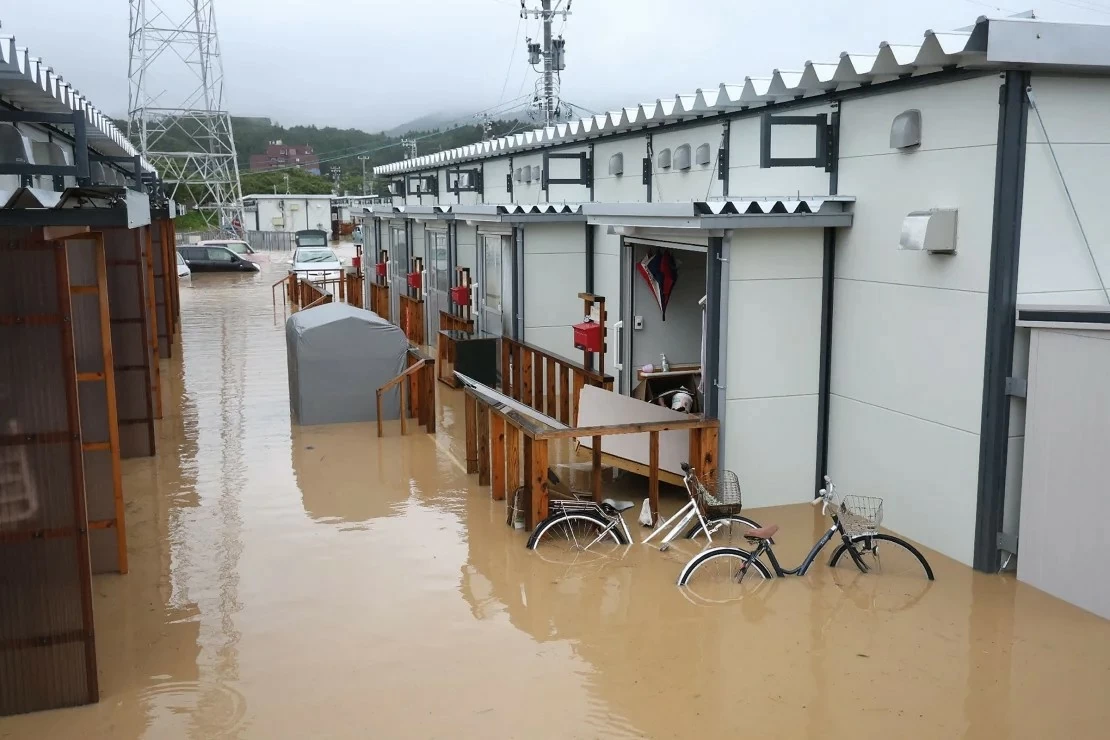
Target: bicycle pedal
[664,548]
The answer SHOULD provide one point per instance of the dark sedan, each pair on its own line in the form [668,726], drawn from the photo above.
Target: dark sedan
[211,258]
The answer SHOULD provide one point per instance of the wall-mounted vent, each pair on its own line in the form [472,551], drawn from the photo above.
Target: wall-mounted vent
[682,157]
[537,173]
[905,132]
[703,155]
[931,231]
[665,159]
[13,147]
[527,174]
[616,165]
[97,174]
[519,175]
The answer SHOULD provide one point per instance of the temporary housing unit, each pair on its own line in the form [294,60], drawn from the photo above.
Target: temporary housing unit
[861,232]
[88,305]
[289,213]
[335,353]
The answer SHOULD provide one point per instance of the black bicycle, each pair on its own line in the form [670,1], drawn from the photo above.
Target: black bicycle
[855,518]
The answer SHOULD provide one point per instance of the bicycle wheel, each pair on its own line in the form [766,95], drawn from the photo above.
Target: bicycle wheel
[725,530]
[719,575]
[576,537]
[883,554]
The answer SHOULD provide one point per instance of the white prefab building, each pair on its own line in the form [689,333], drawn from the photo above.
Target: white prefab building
[862,232]
[289,213]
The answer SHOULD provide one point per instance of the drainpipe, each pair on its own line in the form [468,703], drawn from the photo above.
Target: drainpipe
[713,259]
[828,279]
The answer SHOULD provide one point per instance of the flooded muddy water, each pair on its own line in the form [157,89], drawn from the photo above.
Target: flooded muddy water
[322,583]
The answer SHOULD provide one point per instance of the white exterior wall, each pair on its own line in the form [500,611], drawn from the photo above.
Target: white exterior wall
[629,187]
[772,359]
[909,327]
[697,183]
[528,192]
[1056,267]
[746,178]
[607,283]
[554,275]
[566,169]
[1066,467]
[493,180]
[298,212]
[466,248]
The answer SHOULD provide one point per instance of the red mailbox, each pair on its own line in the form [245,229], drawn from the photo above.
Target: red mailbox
[588,336]
[379,269]
[356,261]
[414,280]
[460,295]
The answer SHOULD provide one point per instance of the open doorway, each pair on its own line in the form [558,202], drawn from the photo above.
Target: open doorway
[662,309]
[399,260]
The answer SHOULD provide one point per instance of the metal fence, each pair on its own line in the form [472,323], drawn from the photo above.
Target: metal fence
[263,241]
[270,241]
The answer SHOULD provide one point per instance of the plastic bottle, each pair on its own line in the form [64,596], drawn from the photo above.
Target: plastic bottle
[666,366]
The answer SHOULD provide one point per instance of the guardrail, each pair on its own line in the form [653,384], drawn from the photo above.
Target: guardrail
[418,380]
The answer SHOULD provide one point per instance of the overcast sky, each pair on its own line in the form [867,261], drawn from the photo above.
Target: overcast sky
[374,64]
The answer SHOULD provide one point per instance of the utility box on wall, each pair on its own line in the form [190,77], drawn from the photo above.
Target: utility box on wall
[931,231]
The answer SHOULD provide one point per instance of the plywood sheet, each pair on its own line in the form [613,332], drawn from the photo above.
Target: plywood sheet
[598,407]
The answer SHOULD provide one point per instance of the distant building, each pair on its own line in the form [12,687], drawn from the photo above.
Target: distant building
[279,156]
[265,212]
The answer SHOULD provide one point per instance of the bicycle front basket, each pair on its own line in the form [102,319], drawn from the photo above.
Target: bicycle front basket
[861,514]
[720,493]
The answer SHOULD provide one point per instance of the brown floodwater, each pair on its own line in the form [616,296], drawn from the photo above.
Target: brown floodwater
[322,583]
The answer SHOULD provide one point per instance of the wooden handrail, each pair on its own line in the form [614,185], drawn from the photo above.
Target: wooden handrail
[638,428]
[599,378]
[425,367]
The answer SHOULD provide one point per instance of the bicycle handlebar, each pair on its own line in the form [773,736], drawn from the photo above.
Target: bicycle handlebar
[686,467]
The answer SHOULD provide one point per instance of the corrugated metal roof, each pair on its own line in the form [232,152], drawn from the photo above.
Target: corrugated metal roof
[30,84]
[728,213]
[991,43]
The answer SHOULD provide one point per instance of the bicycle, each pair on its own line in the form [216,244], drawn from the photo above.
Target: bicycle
[578,525]
[855,518]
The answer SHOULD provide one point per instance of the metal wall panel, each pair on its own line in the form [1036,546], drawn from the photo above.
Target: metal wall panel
[47,648]
[158,257]
[130,343]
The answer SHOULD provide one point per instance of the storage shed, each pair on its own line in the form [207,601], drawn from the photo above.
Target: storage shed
[336,353]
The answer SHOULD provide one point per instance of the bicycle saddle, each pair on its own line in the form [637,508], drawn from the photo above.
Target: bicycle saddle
[618,506]
[763,533]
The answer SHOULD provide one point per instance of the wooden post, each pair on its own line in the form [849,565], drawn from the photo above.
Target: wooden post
[470,405]
[579,381]
[551,399]
[512,458]
[535,488]
[77,465]
[709,457]
[403,385]
[595,468]
[506,373]
[109,365]
[693,457]
[564,394]
[537,383]
[518,372]
[429,372]
[526,379]
[483,444]
[653,474]
[497,439]
[381,432]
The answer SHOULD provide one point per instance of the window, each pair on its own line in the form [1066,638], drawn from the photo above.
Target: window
[192,253]
[492,272]
[399,250]
[220,254]
[240,248]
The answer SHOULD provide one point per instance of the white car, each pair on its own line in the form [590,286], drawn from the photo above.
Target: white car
[316,263]
[184,274]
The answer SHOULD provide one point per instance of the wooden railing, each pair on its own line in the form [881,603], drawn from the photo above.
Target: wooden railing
[303,293]
[450,322]
[508,450]
[544,381]
[412,319]
[417,388]
[353,288]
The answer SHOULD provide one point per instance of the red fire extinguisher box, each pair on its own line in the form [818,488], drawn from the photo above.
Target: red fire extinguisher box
[414,280]
[460,295]
[588,336]
[379,269]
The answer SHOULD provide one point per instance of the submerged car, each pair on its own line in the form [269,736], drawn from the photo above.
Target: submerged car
[184,275]
[316,263]
[200,258]
[240,247]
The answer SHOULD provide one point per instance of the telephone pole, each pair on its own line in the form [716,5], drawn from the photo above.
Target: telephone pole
[364,159]
[409,145]
[551,54]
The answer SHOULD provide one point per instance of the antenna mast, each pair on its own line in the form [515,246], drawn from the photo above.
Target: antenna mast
[551,54]
[176,114]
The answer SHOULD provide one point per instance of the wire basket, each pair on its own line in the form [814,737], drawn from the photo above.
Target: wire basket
[720,493]
[860,514]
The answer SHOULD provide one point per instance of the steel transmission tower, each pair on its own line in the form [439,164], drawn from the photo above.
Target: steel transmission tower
[176,113]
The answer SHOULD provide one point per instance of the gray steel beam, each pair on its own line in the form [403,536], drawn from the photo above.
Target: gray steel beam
[712,368]
[1009,182]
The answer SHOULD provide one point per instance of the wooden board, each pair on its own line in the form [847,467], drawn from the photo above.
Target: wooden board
[599,407]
